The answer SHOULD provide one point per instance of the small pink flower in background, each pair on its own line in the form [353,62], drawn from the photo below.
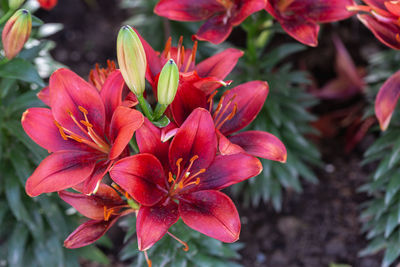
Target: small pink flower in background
[220,15]
[301,18]
[84,130]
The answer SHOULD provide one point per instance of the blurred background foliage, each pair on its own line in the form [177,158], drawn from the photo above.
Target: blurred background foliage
[381,215]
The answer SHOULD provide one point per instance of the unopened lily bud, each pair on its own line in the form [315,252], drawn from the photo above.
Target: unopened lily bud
[14,4]
[168,83]
[131,59]
[16,32]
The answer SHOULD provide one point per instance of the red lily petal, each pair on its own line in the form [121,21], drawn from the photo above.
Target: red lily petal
[38,123]
[47,4]
[124,123]
[148,138]
[219,65]
[142,176]
[152,223]
[384,32]
[215,30]
[88,232]
[186,100]
[247,7]
[184,10]
[226,147]
[112,93]
[376,4]
[229,170]
[60,170]
[340,88]
[92,182]
[207,84]
[393,7]
[323,11]
[211,213]
[93,206]
[261,144]
[196,137]
[68,91]
[249,98]
[44,95]
[386,100]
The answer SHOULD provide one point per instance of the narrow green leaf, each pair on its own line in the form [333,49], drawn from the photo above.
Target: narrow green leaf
[21,69]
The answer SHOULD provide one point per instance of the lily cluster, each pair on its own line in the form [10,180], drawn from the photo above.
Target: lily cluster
[166,154]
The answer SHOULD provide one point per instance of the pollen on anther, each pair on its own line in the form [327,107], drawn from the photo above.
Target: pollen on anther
[83,110]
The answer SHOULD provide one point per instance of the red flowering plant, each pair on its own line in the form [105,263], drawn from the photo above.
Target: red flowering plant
[220,15]
[382,19]
[301,18]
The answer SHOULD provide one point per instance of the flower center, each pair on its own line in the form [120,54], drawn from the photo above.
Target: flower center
[220,114]
[180,55]
[93,140]
[184,179]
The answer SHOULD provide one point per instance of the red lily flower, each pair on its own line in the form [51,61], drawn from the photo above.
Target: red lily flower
[84,130]
[236,109]
[382,20]
[98,76]
[103,209]
[301,18]
[386,100]
[207,75]
[193,179]
[220,15]
[47,4]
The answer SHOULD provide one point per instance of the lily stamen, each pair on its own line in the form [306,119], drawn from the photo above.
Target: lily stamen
[186,247]
[147,259]
[221,113]
[192,57]
[178,54]
[167,48]
[227,118]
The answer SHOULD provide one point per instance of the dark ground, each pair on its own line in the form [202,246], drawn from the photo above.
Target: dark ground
[316,228]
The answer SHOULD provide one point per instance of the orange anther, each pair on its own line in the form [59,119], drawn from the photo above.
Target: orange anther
[83,110]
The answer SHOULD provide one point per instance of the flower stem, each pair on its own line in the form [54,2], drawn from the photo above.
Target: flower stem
[145,106]
[159,111]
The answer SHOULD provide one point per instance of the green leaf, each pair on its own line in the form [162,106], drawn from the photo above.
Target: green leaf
[16,245]
[92,253]
[21,69]
[392,188]
[391,253]
[162,122]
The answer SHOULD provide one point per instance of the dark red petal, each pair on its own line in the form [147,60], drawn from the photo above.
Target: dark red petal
[386,100]
[219,65]
[249,98]
[93,206]
[247,7]
[68,91]
[89,232]
[152,223]
[340,88]
[304,31]
[376,4]
[345,66]
[323,11]
[112,93]
[186,100]
[211,213]
[226,147]
[44,95]
[188,10]
[384,32]
[261,144]
[207,84]
[39,124]
[142,176]
[196,137]
[228,170]
[215,30]
[60,170]
[91,183]
[124,123]
[148,138]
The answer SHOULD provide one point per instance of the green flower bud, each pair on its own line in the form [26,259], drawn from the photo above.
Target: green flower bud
[168,83]
[131,59]
[16,32]
[14,4]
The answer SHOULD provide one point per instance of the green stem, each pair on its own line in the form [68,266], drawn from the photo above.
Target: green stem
[6,16]
[145,106]
[133,145]
[159,111]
